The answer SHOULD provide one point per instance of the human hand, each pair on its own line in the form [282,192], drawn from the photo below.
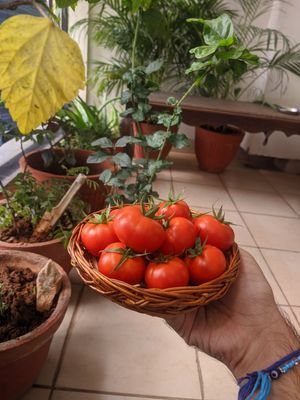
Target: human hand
[244,329]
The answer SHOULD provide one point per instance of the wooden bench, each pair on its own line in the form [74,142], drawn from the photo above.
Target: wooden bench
[250,117]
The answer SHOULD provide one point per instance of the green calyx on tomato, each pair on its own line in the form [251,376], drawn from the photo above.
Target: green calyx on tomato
[126,254]
[102,218]
[220,216]
[197,250]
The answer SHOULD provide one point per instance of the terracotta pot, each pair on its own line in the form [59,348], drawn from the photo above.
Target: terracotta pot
[94,197]
[149,129]
[21,359]
[215,151]
[53,249]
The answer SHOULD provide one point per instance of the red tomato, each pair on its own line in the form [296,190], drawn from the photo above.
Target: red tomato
[180,235]
[96,237]
[140,233]
[162,275]
[177,209]
[217,234]
[207,266]
[131,271]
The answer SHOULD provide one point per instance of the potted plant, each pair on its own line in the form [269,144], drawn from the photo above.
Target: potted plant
[221,55]
[23,208]
[25,334]
[82,124]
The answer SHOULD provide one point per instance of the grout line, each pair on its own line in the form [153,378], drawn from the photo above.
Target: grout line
[281,196]
[67,338]
[138,396]
[275,249]
[268,215]
[260,249]
[201,380]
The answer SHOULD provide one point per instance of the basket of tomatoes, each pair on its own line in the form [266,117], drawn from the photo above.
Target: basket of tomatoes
[160,260]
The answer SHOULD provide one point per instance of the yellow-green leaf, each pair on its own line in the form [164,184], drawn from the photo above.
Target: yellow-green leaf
[41,69]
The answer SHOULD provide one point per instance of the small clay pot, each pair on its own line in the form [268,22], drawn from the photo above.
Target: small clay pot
[53,249]
[149,129]
[21,359]
[94,197]
[215,151]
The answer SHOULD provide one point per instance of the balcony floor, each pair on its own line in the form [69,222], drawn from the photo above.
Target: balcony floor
[105,352]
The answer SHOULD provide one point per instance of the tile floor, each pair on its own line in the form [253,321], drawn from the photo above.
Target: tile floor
[105,352]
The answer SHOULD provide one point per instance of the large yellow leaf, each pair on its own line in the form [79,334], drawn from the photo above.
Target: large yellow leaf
[41,69]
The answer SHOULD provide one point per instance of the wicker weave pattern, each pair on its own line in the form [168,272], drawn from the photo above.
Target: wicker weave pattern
[156,302]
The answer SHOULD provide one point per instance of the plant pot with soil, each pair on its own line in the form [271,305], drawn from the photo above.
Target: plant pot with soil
[92,192]
[23,208]
[25,333]
[216,148]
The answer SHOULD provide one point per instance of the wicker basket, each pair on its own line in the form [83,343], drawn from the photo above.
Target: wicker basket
[156,302]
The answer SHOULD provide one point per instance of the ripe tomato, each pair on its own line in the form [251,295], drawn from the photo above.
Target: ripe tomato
[169,209]
[140,233]
[217,233]
[162,275]
[180,235]
[131,271]
[96,236]
[207,266]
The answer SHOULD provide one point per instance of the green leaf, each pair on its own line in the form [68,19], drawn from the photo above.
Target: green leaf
[203,51]
[126,97]
[106,176]
[127,112]
[138,115]
[154,66]
[238,68]
[157,139]
[66,3]
[231,54]
[217,29]
[198,66]
[156,166]
[137,4]
[98,157]
[125,140]
[103,142]
[122,159]
[172,101]
[250,58]
[179,140]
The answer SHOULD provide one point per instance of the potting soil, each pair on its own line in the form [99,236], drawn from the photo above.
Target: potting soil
[18,314]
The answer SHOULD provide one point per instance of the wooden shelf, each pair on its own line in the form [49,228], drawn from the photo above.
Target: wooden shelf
[250,117]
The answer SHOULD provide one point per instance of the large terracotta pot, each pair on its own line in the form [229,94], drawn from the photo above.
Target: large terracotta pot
[53,249]
[215,151]
[94,197]
[149,129]
[21,359]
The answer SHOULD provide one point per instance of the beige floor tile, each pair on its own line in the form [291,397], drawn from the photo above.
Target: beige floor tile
[294,202]
[261,203]
[183,161]
[47,373]
[284,183]
[289,314]
[219,383]
[163,188]
[279,297]
[66,395]
[246,179]
[204,196]
[37,394]
[112,349]
[196,177]
[164,175]
[274,232]
[285,267]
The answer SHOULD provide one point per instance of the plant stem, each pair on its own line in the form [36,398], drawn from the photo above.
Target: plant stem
[135,41]
[24,154]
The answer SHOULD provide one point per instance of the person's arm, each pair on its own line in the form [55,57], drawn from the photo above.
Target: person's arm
[245,330]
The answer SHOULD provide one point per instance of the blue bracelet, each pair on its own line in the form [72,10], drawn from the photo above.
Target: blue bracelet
[260,382]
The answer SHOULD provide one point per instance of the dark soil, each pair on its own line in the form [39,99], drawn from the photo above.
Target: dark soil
[224,129]
[18,314]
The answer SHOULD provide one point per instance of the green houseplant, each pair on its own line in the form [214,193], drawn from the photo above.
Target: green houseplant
[23,208]
[65,159]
